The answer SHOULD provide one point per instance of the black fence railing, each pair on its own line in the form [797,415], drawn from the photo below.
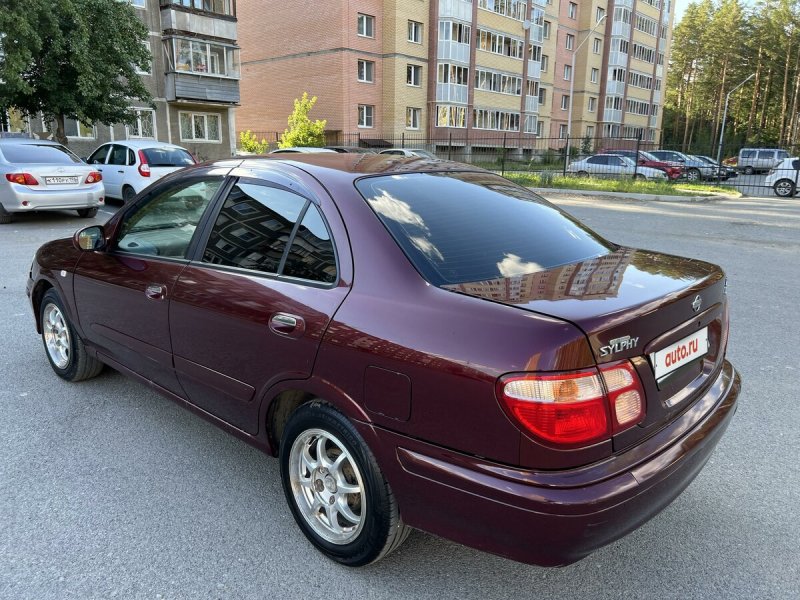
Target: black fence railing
[606,157]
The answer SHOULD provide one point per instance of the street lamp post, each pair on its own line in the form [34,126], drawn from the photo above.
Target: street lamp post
[725,116]
[572,74]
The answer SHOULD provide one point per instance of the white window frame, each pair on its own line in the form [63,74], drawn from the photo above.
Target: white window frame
[562,131]
[565,101]
[590,131]
[595,75]
[415,31]
[572,10]
[367,74]
[149,71]
[411,71]
[592,104]
[567,72]
[205,116]
[365,25]
[569,41]
[369,116]
[139,112]
[597,45]
[546,28]
[545,62]
[93,135]
[232,59]
[413,118]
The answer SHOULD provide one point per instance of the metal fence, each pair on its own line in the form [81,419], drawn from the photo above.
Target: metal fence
[582,157]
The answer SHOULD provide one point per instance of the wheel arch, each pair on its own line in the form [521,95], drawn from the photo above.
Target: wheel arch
[38,292]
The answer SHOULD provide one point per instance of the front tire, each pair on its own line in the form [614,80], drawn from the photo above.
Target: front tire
[694,175]
[639,177]
[335,489]
[749,170]
[785,188]
[63,347]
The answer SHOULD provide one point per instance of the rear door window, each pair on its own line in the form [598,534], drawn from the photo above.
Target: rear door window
[597,160]
[118,156]
[465,227]
[766,154]
[274,231]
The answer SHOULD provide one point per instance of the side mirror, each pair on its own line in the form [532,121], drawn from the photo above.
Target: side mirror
[90,238]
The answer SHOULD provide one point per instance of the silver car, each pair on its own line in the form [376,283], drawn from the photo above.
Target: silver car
[613,165]
[40,175]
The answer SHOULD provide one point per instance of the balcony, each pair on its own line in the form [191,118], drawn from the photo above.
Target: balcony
[532,104]
[623,3]
[188,86]
[176,19]
[455,9]
[615,88]
[611,115]
[657,97]
[537,34]
[659,71]
[534,69]
[662,44]
[621,29]
[617,59]
[453,51]
[452,92]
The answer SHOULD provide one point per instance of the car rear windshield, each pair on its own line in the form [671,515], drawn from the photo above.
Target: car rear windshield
[464,227]
[168,157]
[44,154]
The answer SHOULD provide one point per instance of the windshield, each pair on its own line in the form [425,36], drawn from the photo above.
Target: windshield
[463,227]
[168,157]
[648,156]
[42,154]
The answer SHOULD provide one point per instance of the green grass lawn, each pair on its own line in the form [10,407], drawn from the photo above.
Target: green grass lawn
[619,185]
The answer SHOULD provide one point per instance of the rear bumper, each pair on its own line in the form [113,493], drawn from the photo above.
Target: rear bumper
[25,199]
[554,518]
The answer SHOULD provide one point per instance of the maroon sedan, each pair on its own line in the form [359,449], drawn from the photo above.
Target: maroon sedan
[421,343]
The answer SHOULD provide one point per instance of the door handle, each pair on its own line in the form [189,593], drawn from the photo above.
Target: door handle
[120,171]
[286,324]
[155,291]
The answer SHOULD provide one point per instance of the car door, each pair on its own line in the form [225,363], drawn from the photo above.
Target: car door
[252,308]
[114,170]
[596,165]
[122,294]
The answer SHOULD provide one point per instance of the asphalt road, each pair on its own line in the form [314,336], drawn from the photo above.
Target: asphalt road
[108,490]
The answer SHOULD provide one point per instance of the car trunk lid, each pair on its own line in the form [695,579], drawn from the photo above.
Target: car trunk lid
[56,177]
[659,311]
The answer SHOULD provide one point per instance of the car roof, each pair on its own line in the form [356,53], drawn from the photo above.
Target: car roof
[144,144]
[17,141]
[303,150]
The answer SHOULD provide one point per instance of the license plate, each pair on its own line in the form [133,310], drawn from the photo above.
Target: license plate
[57,180]
[680,353]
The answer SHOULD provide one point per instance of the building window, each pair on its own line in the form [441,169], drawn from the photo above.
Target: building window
[414,75]
[413,117]
[592,104]
[451,116]
[542,96]
[149,70]
[572,10]
[200,127]
[546,29]
[492,81]
[601,12]
[597,45]
[545,63]
[75,129]
[204,58]
[499,43]
[565,102]
[562,130]
[567,72]
[366,71]
[539,128]
[145,125]
[415,32]
[366,25]
[499,120]
[139,3]
[366,114]
[569,41]
[595,75]
[590,131]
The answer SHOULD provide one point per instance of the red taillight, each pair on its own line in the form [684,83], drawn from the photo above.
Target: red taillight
[93,177]
[22,178]
[576,408]
[144,166]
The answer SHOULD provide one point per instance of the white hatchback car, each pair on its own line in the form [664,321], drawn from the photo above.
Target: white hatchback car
[784,178]
[129,166]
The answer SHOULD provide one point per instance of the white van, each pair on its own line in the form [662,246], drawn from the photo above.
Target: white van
[753,160]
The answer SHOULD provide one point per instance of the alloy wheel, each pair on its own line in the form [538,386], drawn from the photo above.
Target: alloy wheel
[56,336]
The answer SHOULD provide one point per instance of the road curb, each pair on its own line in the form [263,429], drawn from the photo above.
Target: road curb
[650,197]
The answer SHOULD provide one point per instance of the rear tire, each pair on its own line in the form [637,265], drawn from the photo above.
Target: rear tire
[87,213]
[785,188]
[582,174]
[335,489]
[694,175]
[639,177]
[63,347]
[5,216]
[128,194]
[749,170]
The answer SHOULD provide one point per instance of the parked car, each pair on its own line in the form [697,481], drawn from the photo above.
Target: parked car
[300,150]
[755,160]
[350,149]
[409,152]
[725,171]
[695,168]
[645,159]
[129,166]
[421,344]
[40,175]
[783,179]
[613,165]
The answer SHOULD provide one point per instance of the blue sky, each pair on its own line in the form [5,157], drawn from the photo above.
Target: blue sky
[680,6]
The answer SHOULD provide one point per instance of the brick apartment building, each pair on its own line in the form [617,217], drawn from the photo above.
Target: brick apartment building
[458,69]
[193,78]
